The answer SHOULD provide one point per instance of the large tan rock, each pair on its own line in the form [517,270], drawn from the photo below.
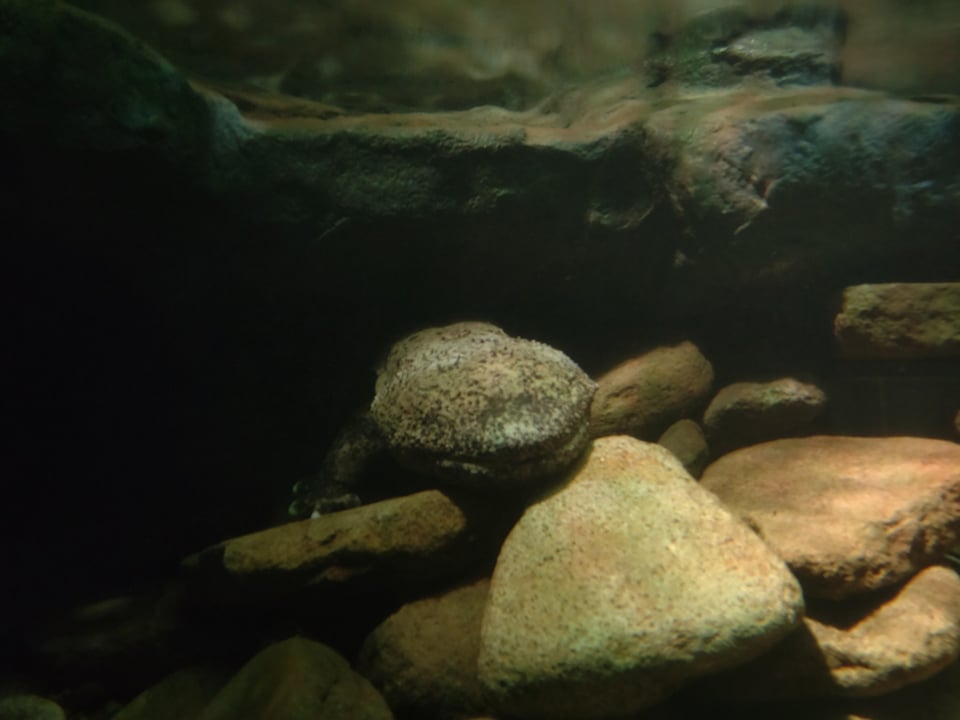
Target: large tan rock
[899,320]
[645,395]
[847,514]
[423,658]
[745,413]
[466,403]
[614,590]
[414,536]
[859,647]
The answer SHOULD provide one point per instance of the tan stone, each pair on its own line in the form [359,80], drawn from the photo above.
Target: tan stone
[899,320]
[864,646]
[621,585]
[645,395]
[423,658]
[847,514]
[747,412]
[414,535]
[686,441]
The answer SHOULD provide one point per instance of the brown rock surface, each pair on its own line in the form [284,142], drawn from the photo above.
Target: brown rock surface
[746,413]
[645,395]
[623,584]
[847,514]
[899,320]
[864,646]
[423,658]
[416,535]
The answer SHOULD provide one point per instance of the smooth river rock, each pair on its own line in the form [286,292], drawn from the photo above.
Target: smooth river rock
[614,590]
[847,514]
[644,395]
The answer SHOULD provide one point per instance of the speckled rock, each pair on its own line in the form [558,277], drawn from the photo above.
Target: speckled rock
[645,395]
[899,320]
[423,658]
[468,404]
[624,584]
[686,441]
[847,514]
[866,646]
[746,413]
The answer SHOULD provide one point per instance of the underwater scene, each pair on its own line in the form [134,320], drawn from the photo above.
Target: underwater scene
[480,360]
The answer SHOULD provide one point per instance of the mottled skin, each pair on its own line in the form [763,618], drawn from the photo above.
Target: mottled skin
[464,405]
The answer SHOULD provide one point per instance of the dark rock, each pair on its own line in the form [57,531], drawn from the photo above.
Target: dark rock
[109,92]
[798,46]
[297,679]
[180,696]
[747,413]
[899,321]
[116,643]
[30,707]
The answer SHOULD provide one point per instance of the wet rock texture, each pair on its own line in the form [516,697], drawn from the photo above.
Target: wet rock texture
[847,514]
